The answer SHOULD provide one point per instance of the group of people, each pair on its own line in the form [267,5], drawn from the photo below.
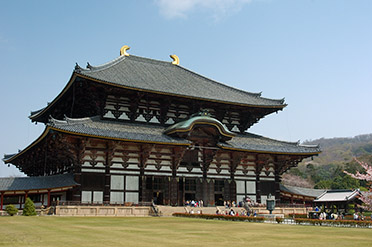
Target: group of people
[194,203]
[359,216]
[232,212]
[328,215]
[229,204]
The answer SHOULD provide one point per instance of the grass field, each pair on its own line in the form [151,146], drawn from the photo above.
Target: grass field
[114,231]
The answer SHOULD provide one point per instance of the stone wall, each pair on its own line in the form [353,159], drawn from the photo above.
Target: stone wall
[102,211]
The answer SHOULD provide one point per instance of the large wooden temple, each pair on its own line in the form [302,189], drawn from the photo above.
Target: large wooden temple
[137,129]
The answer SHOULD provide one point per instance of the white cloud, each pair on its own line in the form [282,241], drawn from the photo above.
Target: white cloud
[180,8]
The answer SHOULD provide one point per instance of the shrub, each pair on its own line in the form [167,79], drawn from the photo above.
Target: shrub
[29,209]
[279,220]
[11,210]
[221,217]
[297,216]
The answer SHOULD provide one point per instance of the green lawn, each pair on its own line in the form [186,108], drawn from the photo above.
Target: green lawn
[114,231]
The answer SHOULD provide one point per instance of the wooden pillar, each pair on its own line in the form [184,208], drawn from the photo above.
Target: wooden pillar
[277,183]
[80,151]
[48,198]
[258,184]
[2,201]
[173,191]
[26,195]
[20,198]
[235,158]
[110,151]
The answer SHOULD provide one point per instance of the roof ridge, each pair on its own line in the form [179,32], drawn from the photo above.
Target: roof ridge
[100,67]
[67,120]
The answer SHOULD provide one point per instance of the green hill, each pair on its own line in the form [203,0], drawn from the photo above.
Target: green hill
[341,150]
[326,170]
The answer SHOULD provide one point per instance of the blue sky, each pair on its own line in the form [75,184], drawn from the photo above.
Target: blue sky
[315,53]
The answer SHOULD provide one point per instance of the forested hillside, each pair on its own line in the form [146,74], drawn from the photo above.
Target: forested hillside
[326,170]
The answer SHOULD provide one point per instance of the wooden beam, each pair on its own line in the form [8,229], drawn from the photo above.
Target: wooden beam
[2,201]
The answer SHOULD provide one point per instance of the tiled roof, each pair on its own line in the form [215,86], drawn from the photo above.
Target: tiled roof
[119,130]
[154,133]
[301,191]
[164,77]
[338,196]
[149,133]
[248,141]
[37,183]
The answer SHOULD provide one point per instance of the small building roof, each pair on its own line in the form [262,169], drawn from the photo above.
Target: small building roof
[37,183]
[338,196]
[301,191]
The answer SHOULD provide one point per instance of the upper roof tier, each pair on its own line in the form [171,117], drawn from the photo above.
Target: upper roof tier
[167,78]
[134,74]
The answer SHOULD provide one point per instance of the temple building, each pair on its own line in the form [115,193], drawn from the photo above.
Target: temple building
[136,130]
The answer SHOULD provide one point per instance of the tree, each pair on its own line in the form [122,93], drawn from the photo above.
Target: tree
[366,197]
[29,209]
[293,180]
[11,210]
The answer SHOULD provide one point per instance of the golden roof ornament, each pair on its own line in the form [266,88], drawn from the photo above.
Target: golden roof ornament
[176,60]
[123,51]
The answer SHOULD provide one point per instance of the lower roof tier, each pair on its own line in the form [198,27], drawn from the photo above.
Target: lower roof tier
[146,133]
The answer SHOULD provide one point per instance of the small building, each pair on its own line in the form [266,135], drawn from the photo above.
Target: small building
[139,130]
[41,190]
[338,200]
[299,195]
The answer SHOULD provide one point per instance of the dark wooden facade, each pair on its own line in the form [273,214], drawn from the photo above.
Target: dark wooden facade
[110,168]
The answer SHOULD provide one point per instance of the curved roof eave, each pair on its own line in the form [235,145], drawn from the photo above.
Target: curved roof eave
[39,139]
[49,128]
[279,107]
[308,154]
[36,114]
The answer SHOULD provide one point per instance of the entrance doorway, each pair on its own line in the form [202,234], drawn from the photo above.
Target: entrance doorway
[158,198]
[189,196]
[218,199]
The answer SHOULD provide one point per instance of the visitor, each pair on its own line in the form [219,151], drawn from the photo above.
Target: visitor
[355,216]
[232,213]
[361,216]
